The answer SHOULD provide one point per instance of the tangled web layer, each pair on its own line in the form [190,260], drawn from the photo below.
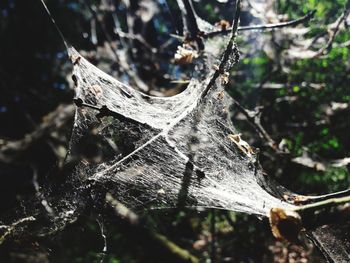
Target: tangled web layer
[166,152]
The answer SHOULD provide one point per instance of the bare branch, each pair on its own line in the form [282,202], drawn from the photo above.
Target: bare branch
[191,29]
[333,29]
[303,199]
[295,22]
[134,221]
[11,150]
[10,228]
[254,121]
[230,50]
[333,32]
[189,18]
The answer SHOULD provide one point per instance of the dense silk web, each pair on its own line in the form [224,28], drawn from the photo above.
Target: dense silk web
[169,151]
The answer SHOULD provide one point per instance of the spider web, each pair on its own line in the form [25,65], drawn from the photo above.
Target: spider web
[169,151]
[161,152]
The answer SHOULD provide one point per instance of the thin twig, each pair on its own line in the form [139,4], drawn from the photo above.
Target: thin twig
[109,41]
[231,48]
[213,235]
[327,203]
[303,199]
[295,22]
[189,18]
[133,220]
[104,111]
[103,234]
[12,150]
[10,228]
[333,32]
[191,29]
[255,123]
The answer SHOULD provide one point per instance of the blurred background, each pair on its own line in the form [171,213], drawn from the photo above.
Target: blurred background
[297,78]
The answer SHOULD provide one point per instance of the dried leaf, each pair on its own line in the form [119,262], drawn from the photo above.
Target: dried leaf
[241,144]
[185,54]
[285,224]
[75,59]
[96,91]
[221,95]
[224,78]
[223,24]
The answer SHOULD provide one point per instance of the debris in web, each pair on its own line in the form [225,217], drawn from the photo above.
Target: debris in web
[169,151]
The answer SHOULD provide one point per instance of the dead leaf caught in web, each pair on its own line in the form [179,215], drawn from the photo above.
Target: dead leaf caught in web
[241,144]
[285,224]
[223,24]
[185,54]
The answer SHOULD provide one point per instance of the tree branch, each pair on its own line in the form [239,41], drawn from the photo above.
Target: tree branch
[134,221]
[10,228]
[334,31]
[103,111]
[230,49]
[191,29]
[324,204]
[11,150]
[254,121]
[295,22]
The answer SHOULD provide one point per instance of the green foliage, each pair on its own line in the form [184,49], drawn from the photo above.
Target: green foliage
[333,179]
[298,111]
